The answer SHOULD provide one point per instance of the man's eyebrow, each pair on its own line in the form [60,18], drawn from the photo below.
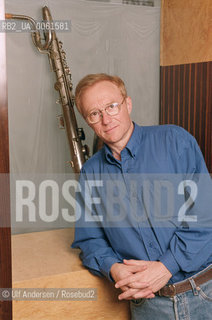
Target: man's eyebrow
[107,104]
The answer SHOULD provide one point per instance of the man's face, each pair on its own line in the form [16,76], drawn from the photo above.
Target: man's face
[113,130]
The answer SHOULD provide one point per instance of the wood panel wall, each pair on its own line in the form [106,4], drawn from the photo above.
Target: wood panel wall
[186,69]
[186,100]
[5,233]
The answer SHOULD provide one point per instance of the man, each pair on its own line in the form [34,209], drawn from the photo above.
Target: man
[146,260]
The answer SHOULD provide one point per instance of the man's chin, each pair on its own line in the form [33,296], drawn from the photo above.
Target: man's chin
[110,141]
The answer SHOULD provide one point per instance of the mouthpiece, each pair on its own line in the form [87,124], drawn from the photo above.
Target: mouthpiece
[46,14]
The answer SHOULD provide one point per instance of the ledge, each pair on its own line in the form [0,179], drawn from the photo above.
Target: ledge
[45,260]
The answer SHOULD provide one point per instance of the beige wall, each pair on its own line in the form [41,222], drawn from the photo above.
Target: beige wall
[186,31]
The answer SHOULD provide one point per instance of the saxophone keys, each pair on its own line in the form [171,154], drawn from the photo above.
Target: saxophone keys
[68,71]
[58,101]
[85,150]
[63,54]
[81,133]
[71,163]
[60,122]
[57,86]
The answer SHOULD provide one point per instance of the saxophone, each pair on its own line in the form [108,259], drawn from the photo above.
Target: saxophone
[57,58]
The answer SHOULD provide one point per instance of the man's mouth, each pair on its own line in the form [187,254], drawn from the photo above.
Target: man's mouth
[110,129]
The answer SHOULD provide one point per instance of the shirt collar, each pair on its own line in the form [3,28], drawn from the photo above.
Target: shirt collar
[132,145]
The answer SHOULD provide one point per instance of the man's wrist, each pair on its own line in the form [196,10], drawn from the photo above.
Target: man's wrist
[113,270]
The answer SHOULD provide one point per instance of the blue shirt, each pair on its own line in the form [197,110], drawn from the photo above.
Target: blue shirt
[184,248]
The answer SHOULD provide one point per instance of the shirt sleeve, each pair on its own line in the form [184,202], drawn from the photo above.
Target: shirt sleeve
[96,252]
[191,244]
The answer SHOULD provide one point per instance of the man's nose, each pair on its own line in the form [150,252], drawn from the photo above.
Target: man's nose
[105,117]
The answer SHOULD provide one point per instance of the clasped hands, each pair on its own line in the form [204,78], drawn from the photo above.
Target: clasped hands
[139,278]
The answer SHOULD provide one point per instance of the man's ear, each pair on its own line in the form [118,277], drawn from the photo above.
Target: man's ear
[129,104]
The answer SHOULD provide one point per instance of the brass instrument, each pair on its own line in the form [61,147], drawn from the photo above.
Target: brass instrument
[57,59]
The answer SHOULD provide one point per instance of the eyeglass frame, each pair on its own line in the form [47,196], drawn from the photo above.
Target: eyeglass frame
[105,109]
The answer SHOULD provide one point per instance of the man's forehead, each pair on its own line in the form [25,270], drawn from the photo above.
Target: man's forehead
[104,86]
[101,91]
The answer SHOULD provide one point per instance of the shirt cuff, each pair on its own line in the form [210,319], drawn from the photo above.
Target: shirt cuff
[169,262]
[106,266]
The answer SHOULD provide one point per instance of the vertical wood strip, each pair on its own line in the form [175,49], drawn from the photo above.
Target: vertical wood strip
[5,233]
[186,101]
[189,101]
[209,131]
[194,100]
[183,97]
[174,107]
[205,103]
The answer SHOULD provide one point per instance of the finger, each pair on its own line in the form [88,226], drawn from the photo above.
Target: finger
[134,294]
[147,294]
[130,270]
[133,262]
[149,297]
[143,294]
[124,288]
[139,285]
[136,268]
[135,278]
[134,283]
[125,281]
[127,295]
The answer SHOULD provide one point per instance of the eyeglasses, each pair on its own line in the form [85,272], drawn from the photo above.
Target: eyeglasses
[112,109]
